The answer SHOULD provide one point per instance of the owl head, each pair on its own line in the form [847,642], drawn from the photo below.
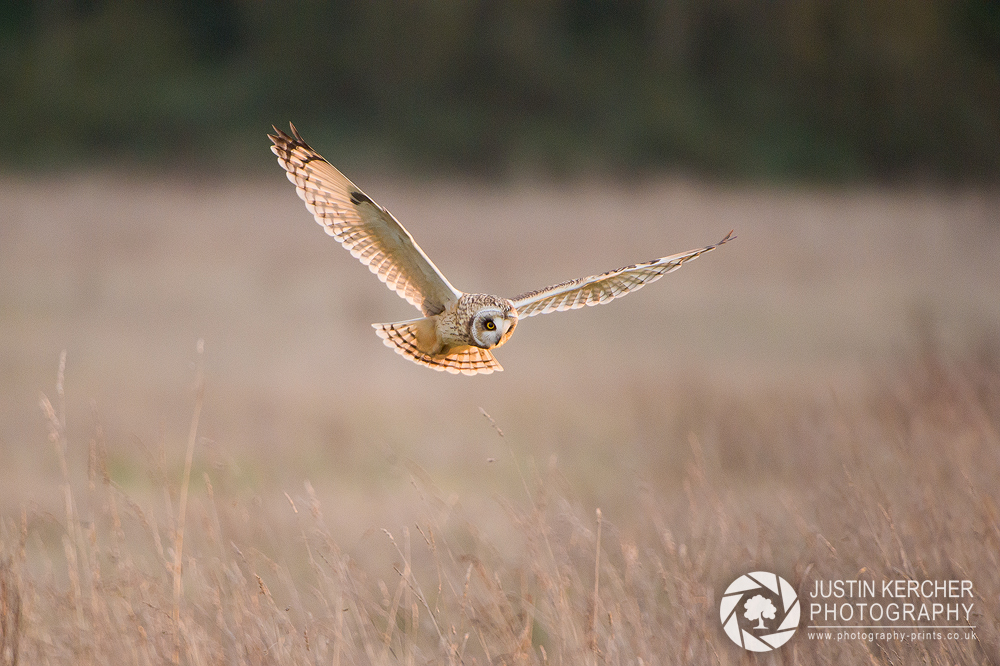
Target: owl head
[492,326]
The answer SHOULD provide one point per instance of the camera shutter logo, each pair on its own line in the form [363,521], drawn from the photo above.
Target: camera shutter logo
[760,611]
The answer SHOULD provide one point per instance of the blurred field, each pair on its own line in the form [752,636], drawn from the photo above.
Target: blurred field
[818,398]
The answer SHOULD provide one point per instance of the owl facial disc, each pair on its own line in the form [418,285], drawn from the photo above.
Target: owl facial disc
[488,327]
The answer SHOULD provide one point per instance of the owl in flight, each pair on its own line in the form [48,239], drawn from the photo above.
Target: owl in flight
[458,330]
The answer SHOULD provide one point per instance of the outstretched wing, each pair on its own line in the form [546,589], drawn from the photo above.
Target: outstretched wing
[366,229]
[602,288]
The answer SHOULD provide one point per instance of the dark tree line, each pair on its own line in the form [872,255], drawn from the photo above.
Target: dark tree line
[818,89]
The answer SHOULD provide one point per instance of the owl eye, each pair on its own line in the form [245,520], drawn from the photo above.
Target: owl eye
[490,326]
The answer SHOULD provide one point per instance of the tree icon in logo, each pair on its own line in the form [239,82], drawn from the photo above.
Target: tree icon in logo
[753,597]
[757,609]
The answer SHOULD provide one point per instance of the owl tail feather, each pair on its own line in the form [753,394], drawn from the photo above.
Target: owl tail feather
[413,339]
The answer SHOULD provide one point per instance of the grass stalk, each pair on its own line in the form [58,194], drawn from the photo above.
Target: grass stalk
[182,503]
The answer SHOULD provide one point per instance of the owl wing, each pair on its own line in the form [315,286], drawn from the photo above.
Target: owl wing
[363,227]
[602,288]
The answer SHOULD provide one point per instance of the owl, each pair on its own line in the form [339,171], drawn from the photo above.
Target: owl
[458,331]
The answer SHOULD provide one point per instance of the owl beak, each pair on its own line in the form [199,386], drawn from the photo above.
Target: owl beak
[506,326]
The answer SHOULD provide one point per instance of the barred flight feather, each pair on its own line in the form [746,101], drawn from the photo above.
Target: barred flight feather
[402,337]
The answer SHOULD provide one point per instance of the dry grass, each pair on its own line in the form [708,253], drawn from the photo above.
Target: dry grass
[811,403]
[900,483]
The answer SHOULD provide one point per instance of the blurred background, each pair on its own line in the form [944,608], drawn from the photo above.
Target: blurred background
[819,90]
[853,326]
[853,146]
